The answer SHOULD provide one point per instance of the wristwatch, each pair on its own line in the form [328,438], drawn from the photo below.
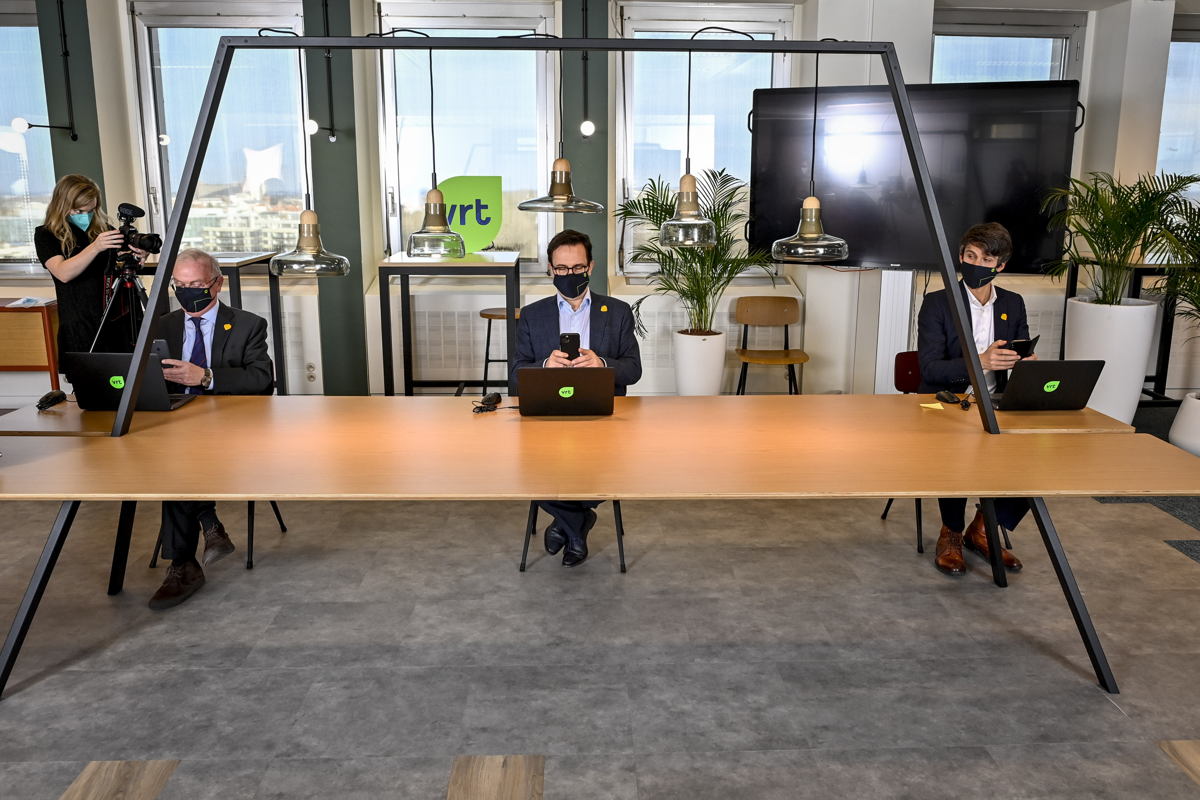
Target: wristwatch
[206,381]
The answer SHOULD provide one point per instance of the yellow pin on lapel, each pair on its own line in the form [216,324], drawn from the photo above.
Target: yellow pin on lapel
[1002,316]
[604,308]
[228,326]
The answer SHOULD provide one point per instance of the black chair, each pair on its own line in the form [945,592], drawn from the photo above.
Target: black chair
[249,535]
[907,380]
[531,528]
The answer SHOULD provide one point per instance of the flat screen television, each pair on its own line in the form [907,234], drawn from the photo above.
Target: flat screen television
[993,150]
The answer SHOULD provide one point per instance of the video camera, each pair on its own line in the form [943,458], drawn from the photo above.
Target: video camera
[150,242]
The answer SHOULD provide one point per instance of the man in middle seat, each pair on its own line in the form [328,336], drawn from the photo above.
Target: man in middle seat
[606,339]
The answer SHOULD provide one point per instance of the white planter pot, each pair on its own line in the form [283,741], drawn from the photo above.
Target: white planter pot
[699,363]
[1185,430]
[1120,336]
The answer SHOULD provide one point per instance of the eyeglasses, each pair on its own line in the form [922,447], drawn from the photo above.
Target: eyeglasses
[578,269]
[194,284]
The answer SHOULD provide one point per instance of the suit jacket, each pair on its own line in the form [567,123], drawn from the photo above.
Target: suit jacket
[239,361]
[938,348]
[612,337]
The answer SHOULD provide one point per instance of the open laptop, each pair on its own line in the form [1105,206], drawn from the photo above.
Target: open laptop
[1049,385]
[579,391]
[99,378]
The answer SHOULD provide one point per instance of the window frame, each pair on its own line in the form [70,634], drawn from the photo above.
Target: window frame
[20,14]
[656,17]
[536,15]
[1068,25]
[193,14]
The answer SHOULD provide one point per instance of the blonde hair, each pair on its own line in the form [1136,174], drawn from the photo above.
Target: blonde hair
[199,256]
[70,193]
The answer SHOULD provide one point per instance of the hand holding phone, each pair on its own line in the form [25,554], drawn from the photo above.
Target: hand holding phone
[569,344]
[1023,347]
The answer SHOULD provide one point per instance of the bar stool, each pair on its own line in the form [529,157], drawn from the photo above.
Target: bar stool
[490,314]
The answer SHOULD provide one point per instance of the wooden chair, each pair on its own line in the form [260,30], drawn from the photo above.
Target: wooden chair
[249,535]
[531,529]
[907,380]
[768,310]
[492,314]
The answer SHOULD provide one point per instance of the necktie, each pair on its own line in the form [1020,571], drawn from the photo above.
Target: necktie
[199,356]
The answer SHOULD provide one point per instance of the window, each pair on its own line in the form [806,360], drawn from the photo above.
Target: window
[978,46]
[254,176]
[26,164]
[652,96]
[494,114]
[1178,146]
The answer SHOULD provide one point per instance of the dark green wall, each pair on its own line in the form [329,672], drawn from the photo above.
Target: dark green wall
[335,199]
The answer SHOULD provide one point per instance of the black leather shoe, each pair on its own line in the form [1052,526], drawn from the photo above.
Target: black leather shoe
[181,582]
[576,551]
[554,538]
[217,544]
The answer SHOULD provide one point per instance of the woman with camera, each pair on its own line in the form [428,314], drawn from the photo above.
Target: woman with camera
[76,244]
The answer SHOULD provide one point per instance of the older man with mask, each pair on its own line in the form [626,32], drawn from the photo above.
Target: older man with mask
[215,349]
[606,339]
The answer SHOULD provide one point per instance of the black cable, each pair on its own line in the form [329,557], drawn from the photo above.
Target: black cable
[812,164]
[303,104]
[66,59]
[329,75]
[687,160]
[560,74]
[432,136]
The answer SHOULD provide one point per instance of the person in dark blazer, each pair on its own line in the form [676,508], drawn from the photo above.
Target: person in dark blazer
[997,317]
[606,337]
[214,349]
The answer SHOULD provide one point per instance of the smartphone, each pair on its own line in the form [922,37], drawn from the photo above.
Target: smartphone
[1023,347]
[159,348]
[569,344]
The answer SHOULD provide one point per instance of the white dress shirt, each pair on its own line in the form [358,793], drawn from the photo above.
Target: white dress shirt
[983,328]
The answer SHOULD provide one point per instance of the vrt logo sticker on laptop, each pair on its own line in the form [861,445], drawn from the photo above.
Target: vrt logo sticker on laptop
[566,391]
[1050,386]
[117,381]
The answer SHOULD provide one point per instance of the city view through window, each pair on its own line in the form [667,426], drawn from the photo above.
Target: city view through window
[26,166]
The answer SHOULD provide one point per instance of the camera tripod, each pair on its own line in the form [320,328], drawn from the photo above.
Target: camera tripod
[127,286]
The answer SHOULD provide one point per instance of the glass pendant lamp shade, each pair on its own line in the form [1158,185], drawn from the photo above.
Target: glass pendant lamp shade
[435,237]
[310,258]
[810,244]
[687,228]
[562,198]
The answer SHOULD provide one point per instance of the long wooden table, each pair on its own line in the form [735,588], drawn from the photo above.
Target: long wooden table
[435,448]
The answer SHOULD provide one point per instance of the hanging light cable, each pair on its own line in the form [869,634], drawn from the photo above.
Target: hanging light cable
[811,244]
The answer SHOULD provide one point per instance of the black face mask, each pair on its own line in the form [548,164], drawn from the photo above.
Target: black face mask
[571,286]
[975,276]
[193,299]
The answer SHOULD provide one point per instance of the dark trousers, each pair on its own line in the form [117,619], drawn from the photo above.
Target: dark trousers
[181,524]
[1009,512]
[569,514]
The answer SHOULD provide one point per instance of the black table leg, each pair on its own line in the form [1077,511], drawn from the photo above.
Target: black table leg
[1066,579]
[385,329]
[235,286]
[37,586]
[406,332]
[991,526]
[116,576]
[281,387]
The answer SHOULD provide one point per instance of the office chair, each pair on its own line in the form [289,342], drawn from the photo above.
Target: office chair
[531,528]
[907,380]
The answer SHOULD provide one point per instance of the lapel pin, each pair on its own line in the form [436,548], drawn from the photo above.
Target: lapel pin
[228,326]
[1002,316]
[604,308]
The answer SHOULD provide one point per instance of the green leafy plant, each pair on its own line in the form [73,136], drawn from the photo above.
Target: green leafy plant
[1112,227]
[698,276]
[1182,282]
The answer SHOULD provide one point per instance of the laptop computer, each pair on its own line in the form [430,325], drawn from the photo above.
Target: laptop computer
[99,379]
[580,391]
[1049,385]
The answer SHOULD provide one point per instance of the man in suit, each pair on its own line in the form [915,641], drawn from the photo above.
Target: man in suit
[606,339]
[214,349]
[997,317]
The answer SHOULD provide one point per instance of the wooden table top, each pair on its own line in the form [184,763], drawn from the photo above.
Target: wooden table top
[765,446]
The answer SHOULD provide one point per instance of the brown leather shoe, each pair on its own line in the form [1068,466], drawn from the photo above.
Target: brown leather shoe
[975,540]
[181,582]
[217,544]
[949,558]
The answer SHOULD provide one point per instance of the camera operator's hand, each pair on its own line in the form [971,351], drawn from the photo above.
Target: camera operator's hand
[140,255]
[184,373]
[109,240]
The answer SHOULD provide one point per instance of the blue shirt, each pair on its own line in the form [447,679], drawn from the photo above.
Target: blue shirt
[208,326]
[572,321]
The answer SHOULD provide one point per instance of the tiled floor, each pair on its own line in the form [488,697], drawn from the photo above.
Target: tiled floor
[754,650]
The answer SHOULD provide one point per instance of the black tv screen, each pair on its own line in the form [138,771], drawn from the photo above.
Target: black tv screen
[993,150]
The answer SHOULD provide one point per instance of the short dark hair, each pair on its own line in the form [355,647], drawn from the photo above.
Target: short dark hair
[990,237]
[567,238]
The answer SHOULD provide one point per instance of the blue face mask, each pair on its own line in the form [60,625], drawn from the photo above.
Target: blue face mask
[82,220]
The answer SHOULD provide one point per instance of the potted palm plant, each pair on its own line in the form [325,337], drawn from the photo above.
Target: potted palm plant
[1111,228]
[1182,287]
[696,276]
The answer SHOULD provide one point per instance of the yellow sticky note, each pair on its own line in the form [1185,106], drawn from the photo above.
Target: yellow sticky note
[604,308]
[1004,316]
[228,326]
[934,406]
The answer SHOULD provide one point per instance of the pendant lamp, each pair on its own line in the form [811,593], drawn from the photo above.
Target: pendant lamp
[811,244]
[561,198]
[435,239]
[310,258]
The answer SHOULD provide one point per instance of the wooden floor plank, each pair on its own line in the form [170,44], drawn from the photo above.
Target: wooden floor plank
[1185,753]
[496,778]
[121,780]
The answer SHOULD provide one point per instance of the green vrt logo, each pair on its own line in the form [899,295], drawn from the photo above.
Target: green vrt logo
[117,381]
[474,208]
[566,391]
[1050,386]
